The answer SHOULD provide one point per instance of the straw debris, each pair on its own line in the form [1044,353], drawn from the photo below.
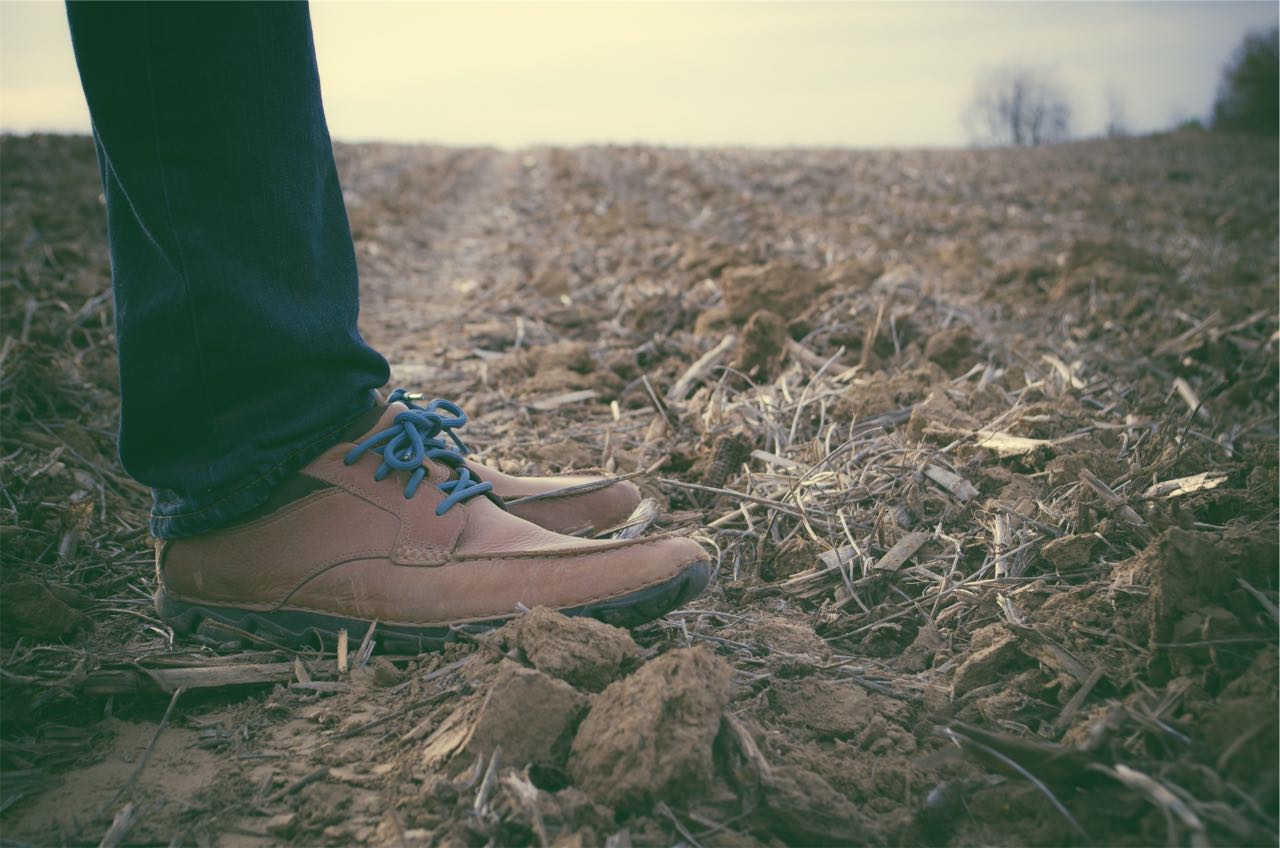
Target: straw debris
[984,444]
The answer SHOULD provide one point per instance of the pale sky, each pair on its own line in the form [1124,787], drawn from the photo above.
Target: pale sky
[855,74]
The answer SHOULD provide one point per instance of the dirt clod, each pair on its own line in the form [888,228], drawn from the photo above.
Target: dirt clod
[385,673]
[993,648]
[803,809]
[938,418]
[762,345]
[953,349]
[580,651]
[828,709]
[34,609]
[781,635]
[1070,551]
[281,824]
[650,735]
[786,289]
[525,713]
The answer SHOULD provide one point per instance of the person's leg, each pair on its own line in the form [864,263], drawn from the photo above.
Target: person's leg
[287,495]
[234,272]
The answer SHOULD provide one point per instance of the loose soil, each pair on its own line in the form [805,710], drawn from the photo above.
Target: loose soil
[985,443]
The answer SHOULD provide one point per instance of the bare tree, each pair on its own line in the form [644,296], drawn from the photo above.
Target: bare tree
[1117,114]
[1019,105]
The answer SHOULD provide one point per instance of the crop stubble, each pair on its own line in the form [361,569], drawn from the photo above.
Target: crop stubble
[985,443]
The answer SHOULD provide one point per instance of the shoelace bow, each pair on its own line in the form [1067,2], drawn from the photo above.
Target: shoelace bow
[413,438]
[455,416]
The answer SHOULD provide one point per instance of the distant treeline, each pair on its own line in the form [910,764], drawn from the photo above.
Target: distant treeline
[1020,105]
[1249,93]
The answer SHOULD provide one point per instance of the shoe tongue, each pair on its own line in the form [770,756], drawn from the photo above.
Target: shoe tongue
[379,418]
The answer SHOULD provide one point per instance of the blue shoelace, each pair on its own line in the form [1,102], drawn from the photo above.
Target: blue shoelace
[413,438]
[454,416]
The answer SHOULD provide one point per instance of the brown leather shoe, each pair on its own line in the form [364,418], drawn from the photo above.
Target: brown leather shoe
[586,501]
[395,527]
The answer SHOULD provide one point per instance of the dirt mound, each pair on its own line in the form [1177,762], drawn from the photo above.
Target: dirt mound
[1176,570]
[33,609]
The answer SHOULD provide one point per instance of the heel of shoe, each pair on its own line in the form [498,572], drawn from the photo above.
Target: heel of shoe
[182,617]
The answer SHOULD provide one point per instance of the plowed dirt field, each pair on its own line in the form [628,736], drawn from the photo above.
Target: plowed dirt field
[985,443]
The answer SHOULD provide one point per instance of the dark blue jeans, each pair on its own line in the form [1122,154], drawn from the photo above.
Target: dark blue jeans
[233,269]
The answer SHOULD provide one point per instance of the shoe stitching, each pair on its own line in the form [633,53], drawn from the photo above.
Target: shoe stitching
[458,562]
[258,523]
[481,617]
[316,571]
[621,544]
[608,484]
[555,498]
[356,556]
[287,461]
[369,497]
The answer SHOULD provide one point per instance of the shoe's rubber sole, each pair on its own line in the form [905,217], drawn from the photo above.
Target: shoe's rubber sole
[299,627]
